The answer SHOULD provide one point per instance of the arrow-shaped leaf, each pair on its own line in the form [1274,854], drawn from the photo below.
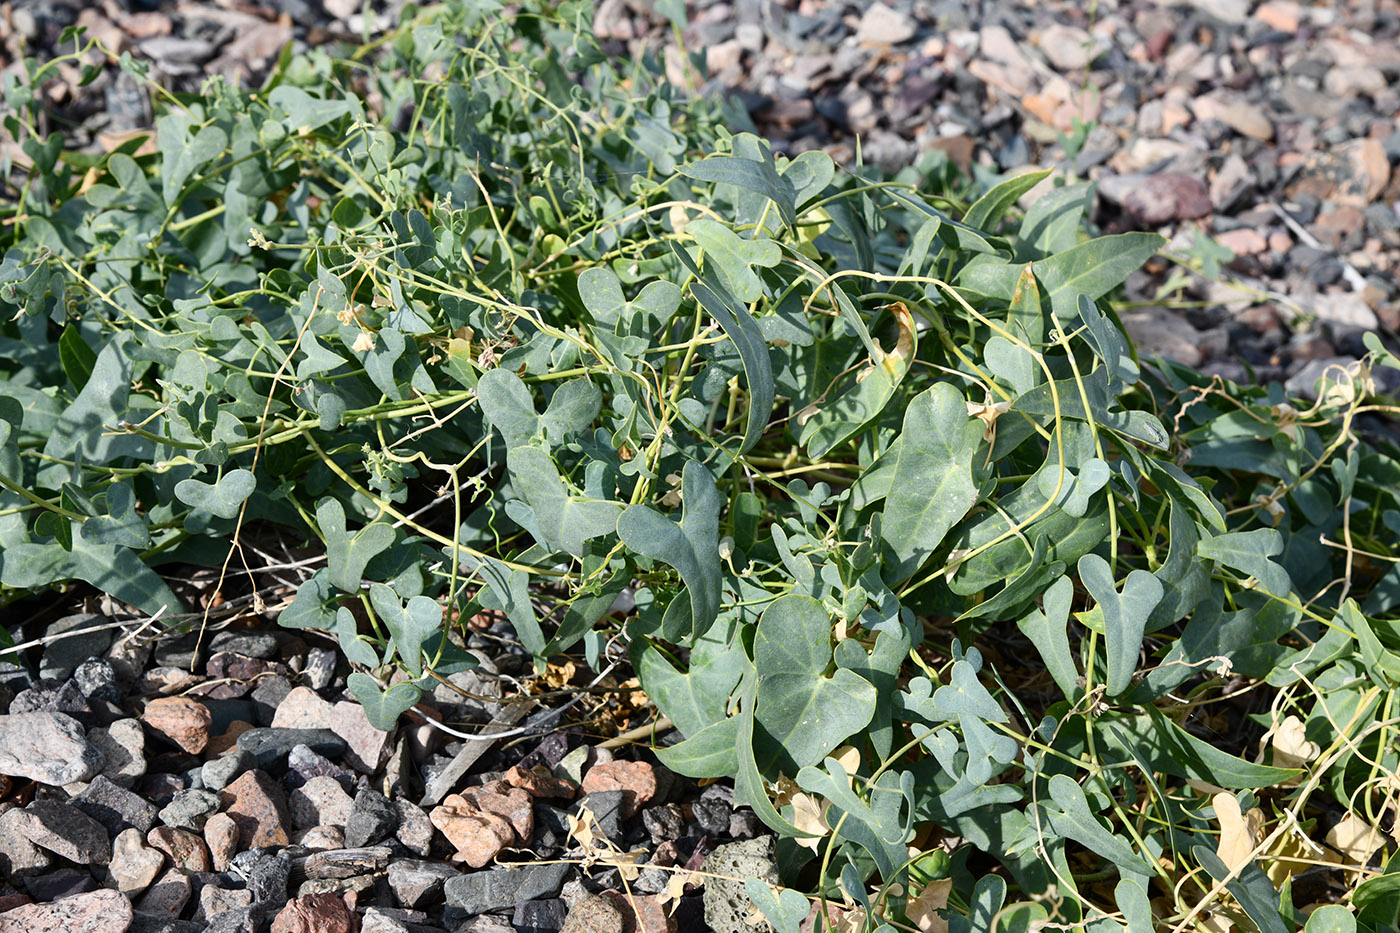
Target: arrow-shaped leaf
[752,174]
[1124,615]
[734,256]
[347,554]
[692,547]
[410,625]
[565,520]
[382,707]
[506,402]
[1249,552]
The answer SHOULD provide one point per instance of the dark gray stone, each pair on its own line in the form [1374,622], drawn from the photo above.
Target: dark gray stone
[663,822]
[252,919]
[115,807]
[271,746]
[484,891]
[59,883]
[263,873]
[418,884]
[220,772]
[607,807]
[540,916]
[62,656]
[190,809]
[96,680]
[372,819]
[260,645]
[150,923]
[267,696]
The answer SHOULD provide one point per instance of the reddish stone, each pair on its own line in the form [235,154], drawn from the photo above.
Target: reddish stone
[218,744]
[636,780]
[1168,196]
[315,913]
[478,835]
[184,849]
[512,803]
[259,808]
[221,835]
[641,913]
[540,783]
[104,911]
[181,720]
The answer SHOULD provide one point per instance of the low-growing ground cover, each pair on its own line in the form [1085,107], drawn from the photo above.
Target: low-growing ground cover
[993,623]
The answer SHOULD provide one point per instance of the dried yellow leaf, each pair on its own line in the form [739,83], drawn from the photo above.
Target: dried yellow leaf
[1239,832]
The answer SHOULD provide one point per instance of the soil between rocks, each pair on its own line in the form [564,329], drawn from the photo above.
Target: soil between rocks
[227,782]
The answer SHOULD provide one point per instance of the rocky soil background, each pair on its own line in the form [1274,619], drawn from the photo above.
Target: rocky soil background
[226,782]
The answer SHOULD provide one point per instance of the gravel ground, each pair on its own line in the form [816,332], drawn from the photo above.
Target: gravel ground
[187,783]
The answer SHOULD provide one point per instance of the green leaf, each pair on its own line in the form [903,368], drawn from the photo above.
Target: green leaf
[1249,553]
[1052,223]
[114,570]
[1161,745]
[1047,631]
[708,753]
[506,402]
[802,713]
[347,554]
[601,291]
[733,257]
[382,707]
[809,172]
[356,647]
[690,546]
[508,591]
[305,112]
[1377,901]
[121,525]
[875,826]
[752,174]
[934,485]
[310,609]
[184,150]
[1091,269]
[76,357]
[571,409]
[1135,424]
[103,402]
[410,625]
[1251,887]
[1331,918]
[222,498]
[1073,818]
[566,521]
[988,210]
[1124,615]
[785,911]
[698,698]
[836,422]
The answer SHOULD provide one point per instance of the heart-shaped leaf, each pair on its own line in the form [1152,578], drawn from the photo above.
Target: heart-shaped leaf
[310,608]
[601,291]
[1249,552]
[507,404]
[1124,615]
[785,910]
[382,707]
[1075,489]
[347,554]
[1046,630]
[802,713]
[222,498]
[410,625]
[933,485]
